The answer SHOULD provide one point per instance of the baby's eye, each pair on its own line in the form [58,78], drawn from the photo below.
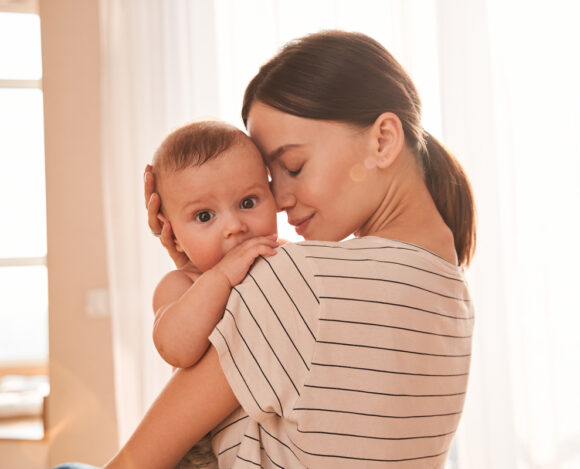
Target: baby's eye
[248,203]
[204,216]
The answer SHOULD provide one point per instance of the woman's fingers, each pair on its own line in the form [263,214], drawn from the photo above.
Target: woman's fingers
[152,201]
[152,212]
[167,236]
[158,224]
[168,241]
[148,184]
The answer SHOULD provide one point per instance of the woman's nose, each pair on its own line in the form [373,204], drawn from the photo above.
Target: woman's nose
[284,197]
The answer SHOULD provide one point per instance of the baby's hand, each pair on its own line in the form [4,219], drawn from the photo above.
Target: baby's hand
[236,263]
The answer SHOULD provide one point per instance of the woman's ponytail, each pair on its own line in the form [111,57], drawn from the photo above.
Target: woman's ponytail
[452,194]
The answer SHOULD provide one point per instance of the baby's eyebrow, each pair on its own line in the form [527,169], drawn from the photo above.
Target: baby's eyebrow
[189,203]
[271,157]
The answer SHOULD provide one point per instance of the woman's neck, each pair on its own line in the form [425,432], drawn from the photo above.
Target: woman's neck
[407,211]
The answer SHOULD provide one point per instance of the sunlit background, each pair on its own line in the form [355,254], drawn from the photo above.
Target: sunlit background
[23,283]
[499,85]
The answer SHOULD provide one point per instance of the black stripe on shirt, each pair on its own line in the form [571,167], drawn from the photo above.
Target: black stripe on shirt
[397,283]
[305,281]
[271,460]
[368,459]
[247,460]
[376,347]
[266,339]
[229,425]
[356,249]
[331,388]
[227,449]
[278,440]
[454,375]
[418,331]
[362,300]
[427,251]
[281,324]
[262,449]
[336,411]
[244,379]
[385,262]
[369,437]
[290,297]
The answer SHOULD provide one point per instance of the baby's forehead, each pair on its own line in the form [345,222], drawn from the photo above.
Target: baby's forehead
[241,159]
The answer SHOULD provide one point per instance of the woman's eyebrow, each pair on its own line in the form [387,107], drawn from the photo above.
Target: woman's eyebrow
[271,157]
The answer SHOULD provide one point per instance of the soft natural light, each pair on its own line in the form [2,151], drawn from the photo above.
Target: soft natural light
[19,46]
[24,315]
[23,275]
[22,188]
[499,84]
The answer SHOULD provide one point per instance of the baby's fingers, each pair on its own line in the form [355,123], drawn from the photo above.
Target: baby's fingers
[265,250]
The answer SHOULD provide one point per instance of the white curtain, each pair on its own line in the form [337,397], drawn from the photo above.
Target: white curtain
[158,71]
[511,110]
[498,79]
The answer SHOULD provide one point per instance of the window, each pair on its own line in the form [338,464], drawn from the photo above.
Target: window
[23,274]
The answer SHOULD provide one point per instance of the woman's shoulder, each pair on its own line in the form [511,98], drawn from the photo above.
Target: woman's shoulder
[373,248]
[307,258]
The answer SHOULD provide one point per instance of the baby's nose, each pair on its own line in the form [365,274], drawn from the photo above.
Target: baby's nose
[235,225]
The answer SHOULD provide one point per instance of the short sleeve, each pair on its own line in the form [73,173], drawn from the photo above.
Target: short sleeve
[266,337]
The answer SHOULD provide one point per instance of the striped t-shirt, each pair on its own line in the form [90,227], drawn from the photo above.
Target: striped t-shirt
[345,355]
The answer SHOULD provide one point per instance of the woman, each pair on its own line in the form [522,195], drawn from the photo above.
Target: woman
[341,353]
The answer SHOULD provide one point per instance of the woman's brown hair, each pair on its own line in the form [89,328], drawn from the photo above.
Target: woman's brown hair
[351,78]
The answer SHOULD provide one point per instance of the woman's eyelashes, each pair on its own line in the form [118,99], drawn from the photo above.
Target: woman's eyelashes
[294,172]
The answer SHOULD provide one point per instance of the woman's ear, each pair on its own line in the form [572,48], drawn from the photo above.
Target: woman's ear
[388,139]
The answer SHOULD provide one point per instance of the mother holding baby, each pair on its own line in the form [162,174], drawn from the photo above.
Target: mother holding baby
[336,352]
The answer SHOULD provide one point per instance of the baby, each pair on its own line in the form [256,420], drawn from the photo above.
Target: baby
[216,198]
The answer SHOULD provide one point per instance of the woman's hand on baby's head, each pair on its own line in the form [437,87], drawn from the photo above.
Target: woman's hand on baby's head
[152,201]
[158,225]
[167,239]
[237,262]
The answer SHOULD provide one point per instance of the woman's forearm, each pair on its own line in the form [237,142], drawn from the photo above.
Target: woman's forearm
[192,403]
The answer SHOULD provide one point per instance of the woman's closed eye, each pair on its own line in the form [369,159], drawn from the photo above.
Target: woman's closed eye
[248,203]
[204,216]
[294,172]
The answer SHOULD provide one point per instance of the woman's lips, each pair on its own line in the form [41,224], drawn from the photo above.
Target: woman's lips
[301,224]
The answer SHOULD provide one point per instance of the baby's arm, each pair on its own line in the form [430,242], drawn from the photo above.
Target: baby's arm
[186,311]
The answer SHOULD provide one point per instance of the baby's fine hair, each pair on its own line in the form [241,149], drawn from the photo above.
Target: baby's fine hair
[195,144]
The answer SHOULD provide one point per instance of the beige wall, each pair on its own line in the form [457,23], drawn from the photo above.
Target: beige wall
[81,412]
